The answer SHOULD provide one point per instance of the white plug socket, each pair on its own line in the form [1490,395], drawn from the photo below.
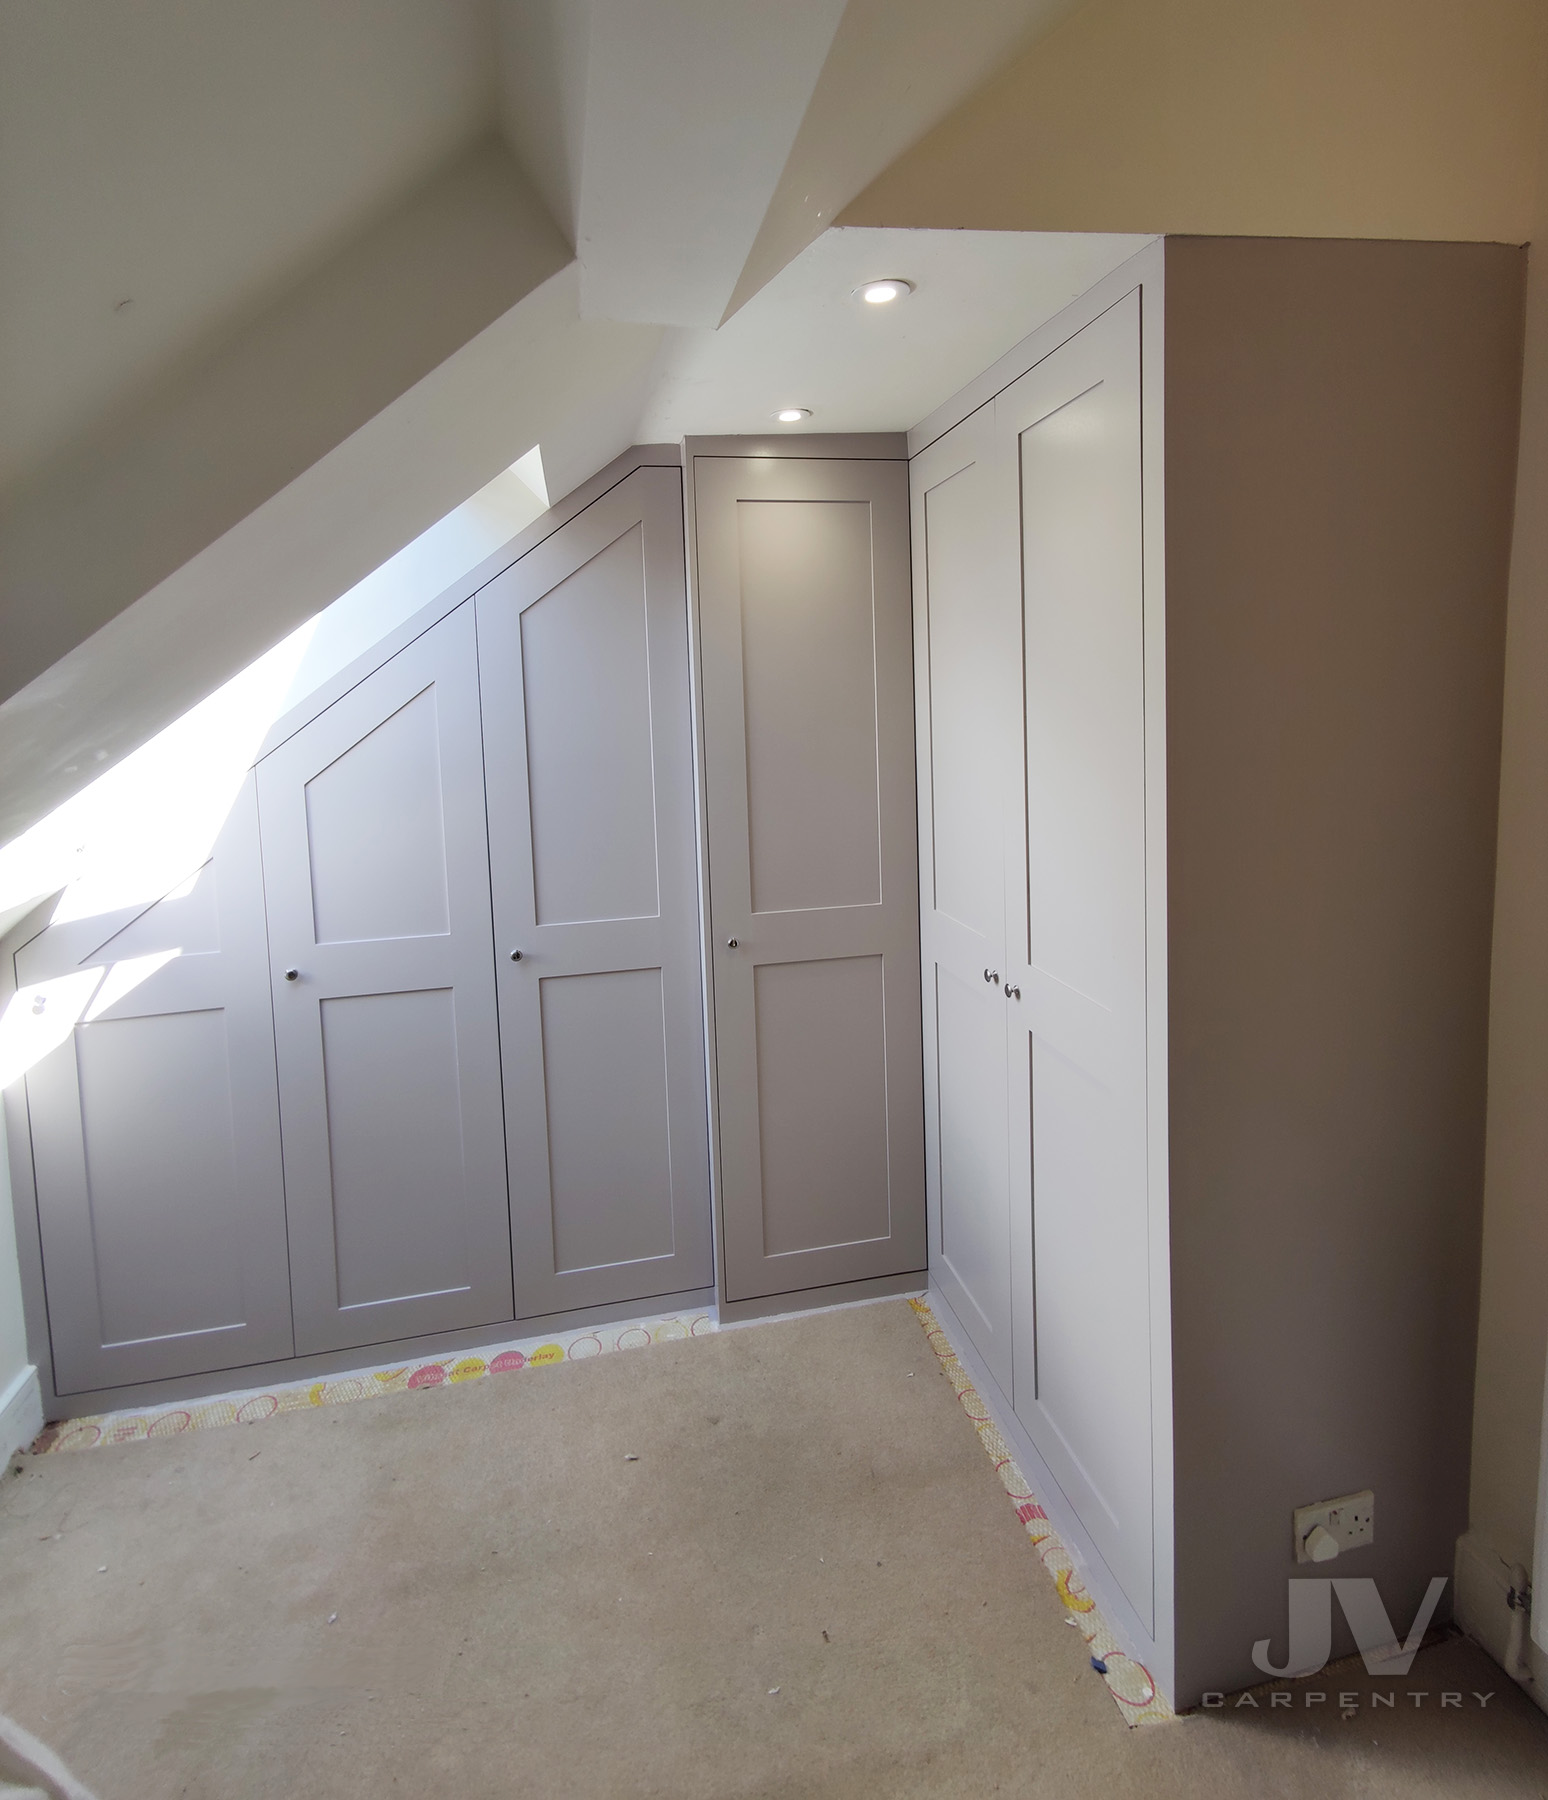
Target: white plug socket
[1347,1522]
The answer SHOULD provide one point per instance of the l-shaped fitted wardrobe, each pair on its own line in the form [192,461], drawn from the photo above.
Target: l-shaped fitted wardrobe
[1048,858]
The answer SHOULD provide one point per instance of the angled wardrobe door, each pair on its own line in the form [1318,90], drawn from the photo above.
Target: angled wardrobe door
[583,659]
[967,726]
[377,878]
[1069,434]
[155,1131]
[813,852]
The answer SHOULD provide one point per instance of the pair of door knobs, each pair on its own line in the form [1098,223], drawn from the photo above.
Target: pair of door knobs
[993,976]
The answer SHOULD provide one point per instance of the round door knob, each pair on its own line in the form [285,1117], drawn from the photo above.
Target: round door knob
[292,974]
[731,943]
[1012,993]
[515,956]
[991,974]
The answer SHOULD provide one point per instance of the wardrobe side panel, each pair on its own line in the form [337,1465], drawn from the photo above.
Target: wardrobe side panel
[1340,448]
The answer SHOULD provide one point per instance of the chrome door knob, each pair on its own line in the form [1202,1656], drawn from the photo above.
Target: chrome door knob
[292,974]
[731,943]
[515,956]
[991,974]
[1012,993]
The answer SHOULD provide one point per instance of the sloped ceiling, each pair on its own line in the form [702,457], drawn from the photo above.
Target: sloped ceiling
[281,282]
[167,169]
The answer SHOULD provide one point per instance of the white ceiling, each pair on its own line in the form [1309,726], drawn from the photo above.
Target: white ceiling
[207,161]
[805,340]
[196,160]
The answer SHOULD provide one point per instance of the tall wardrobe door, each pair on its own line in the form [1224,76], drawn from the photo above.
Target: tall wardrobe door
[1070,438]
[967,677]
[583,654]
[813,853]
[155,1132]
[377,877]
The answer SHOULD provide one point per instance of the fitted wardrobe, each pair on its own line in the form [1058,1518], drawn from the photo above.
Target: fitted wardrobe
[1047,858]
[1209,581]
[428,1045]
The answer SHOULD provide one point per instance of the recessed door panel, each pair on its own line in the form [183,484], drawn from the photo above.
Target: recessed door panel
[822,1103]
[974,1195]
[161,1178]
[609,1145]
[375,836]
[583,659]
[377,881]
[809,688]
[1082,1377]
[585,680]
[394,1136]
[813,853]
[155,1132]
[966,646]
[966,635]
[1090,1387]
[1085,746]
[187,920]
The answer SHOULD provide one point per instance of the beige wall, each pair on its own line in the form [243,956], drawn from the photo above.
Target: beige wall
[1325,118]
[1513,1315]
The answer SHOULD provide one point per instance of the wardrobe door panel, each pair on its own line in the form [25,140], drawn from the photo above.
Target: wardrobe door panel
[965,632]
[155,1132]
[583,657]
[1069,434]
[804,621]
[377,878]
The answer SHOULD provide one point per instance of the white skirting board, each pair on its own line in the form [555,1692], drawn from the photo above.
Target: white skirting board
[1479,1607]
[21,1413]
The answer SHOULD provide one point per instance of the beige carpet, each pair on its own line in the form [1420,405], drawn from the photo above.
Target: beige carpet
[809,1584]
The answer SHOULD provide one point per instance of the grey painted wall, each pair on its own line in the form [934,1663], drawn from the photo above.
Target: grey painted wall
[1340,446]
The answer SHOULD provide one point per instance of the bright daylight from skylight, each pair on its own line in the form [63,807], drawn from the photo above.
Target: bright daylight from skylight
[142,830]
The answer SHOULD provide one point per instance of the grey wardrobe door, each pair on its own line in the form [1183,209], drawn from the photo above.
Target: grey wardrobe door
[803,593]
[1069,434]
[968,724]
[377,876]
[583,660]
[155,1134]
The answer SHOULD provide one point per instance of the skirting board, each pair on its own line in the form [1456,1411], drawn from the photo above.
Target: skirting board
[1115,1609]
[1479,1606]
[820,1299]
[21,1413]
[250,1377]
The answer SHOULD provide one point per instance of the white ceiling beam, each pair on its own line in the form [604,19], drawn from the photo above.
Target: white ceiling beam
[691,107]
[896,68]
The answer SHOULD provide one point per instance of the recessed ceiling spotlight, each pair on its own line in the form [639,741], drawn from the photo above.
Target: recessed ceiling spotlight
[793,415]
[883,293]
